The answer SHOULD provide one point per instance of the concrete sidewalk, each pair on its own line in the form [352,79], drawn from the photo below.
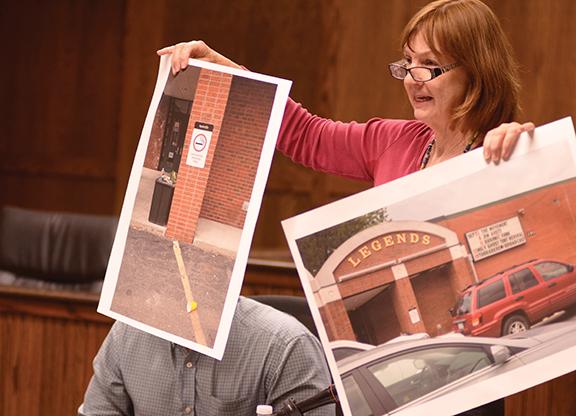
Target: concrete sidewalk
[210,235]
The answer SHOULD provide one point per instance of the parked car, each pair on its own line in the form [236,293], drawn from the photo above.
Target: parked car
[345,348]
[389,378]
[407,337]
[514,299]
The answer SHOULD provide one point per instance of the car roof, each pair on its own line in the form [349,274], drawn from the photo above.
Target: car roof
[389,350]
[345,348]
[406,337]
[507,270]
[346,343]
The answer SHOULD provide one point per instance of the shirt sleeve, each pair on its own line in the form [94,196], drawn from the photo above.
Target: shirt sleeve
[298,370]
[106,394]
[346,149]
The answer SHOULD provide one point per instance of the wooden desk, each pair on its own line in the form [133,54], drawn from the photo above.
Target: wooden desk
[47,343]
[48,340]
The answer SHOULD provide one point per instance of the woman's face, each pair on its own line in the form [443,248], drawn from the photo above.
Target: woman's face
[433,101]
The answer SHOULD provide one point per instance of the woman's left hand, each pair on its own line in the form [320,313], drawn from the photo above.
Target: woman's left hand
[499,143]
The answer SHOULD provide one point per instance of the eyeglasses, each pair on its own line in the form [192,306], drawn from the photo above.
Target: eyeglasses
[418,73]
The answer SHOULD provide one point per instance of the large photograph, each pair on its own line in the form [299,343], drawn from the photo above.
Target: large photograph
[451,287]
[193,197]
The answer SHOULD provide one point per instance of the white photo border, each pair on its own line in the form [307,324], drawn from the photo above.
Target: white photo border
[552,148]
[282,90]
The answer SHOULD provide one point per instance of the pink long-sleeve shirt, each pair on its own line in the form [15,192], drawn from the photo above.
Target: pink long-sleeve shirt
[379,150]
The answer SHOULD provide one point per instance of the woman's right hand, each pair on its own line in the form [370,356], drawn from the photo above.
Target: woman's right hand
[196,49]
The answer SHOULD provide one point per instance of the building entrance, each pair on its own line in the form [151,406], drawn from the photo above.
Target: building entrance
[174,134]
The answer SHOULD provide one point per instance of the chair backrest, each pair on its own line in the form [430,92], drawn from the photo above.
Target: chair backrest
[55,246]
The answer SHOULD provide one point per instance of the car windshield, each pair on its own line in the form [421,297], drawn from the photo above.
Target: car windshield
[416,373]
[463,305]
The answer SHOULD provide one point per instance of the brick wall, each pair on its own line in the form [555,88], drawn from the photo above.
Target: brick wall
[337,321]
[157,134]
[404,299]
[208,107]
[366,282]
[238,151]
[377,318]
[547,218]
[435,297]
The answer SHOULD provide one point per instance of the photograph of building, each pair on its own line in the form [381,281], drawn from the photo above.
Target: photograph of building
[431,290]
[403,277]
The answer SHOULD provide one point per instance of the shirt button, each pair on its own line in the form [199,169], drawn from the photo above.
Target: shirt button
[189,364]
[187,409]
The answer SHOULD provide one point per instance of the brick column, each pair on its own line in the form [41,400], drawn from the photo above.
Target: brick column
[462,274]
[404,299]
[336,321]
[208,107]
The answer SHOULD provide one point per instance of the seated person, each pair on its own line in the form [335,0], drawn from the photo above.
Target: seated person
[269,358]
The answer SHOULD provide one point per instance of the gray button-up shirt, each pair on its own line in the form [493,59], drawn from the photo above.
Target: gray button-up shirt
[269,357]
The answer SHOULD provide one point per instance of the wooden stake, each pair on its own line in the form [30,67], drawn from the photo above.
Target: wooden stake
[191,305]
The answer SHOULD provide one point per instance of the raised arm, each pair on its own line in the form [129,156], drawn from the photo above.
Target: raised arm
[377,151]
[196,49]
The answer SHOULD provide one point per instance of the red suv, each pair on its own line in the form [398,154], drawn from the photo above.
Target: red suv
[514,299]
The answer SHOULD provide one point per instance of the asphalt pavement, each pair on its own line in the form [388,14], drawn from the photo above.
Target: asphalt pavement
[150,286]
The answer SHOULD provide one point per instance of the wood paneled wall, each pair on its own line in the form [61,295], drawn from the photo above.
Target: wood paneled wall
[59,111]
[77,77]
[49,339]
[47,343]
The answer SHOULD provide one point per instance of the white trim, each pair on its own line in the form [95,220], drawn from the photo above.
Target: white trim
[329,294]
[400,271]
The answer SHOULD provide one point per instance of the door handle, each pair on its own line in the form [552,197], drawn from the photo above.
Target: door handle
[552,284]
[519,298]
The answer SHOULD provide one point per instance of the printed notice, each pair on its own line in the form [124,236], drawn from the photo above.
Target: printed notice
[201,136]
[495,238]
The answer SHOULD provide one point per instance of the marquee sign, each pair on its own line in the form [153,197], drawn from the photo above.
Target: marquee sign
[495,238]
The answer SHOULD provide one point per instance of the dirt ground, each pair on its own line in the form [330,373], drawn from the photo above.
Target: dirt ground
[150,290]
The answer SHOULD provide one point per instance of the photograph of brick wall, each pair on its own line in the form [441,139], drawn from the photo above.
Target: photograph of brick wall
[196,183]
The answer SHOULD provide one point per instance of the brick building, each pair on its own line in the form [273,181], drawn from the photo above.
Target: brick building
[209,129]
[403,276]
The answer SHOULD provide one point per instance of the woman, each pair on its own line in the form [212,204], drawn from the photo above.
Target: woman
[461,81]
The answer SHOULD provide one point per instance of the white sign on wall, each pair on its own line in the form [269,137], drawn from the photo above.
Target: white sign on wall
[495,238]
[414,315]
[201,136]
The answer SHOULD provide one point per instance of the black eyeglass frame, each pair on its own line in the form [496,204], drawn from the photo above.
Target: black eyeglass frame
[435,71]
